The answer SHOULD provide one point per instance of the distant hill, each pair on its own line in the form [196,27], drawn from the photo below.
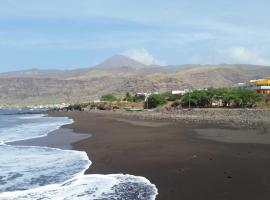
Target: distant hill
[117,75]
[120,61]
[31,73]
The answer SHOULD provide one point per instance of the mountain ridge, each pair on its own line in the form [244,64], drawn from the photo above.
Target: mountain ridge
[117,61]
[34,87]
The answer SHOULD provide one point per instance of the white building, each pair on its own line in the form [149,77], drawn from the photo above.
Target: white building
[181,92]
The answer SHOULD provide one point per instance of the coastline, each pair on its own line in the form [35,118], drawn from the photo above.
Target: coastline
[172,156]
[78,184]
[61,138]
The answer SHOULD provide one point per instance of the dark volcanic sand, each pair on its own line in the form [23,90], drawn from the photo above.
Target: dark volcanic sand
[61,138]
[181,165]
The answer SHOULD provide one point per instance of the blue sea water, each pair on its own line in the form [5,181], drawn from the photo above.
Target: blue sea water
[48,173]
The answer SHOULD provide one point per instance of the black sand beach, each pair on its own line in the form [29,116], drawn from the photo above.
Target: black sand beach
[61,138]
[181,165]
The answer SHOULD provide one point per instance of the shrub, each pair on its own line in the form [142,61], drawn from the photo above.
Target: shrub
[267,98]
[139,98]
[75,107]
[128,97]
[170,97]
[109,97]
[176,104]
[154,101]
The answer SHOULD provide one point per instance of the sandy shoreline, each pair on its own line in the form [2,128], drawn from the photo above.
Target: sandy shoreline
[62,138]
[171,156]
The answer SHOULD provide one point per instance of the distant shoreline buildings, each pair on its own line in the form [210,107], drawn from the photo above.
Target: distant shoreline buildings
[260,85]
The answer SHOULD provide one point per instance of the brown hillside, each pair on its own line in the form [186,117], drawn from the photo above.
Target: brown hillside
[46,87]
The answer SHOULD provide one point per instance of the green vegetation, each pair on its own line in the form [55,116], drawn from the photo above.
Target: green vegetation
[154,101]
[170,97]
[195,99]
[128,97]
[133,98]
[138,98]
[267,98]
[109,97]
[176,104]
[221,97]
[211,97]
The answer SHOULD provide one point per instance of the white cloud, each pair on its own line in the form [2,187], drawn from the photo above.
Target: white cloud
[143,56]
[242,55]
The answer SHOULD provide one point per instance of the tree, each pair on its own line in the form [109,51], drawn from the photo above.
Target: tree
[155,100]
[267,98]
[246,97]
[128,97]
[198,98]
[109,97]
[139,98]
[170,97]
[229,98]
[236,97]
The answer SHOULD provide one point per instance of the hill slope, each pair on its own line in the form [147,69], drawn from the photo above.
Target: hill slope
[116,75]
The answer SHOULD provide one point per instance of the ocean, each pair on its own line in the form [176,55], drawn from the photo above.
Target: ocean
[32,172]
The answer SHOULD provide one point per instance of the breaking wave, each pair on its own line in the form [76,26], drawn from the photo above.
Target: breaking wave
[47,173]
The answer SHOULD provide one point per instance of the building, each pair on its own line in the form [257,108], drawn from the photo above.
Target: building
[180,92]
[176,92]
[260,85]
[141,95]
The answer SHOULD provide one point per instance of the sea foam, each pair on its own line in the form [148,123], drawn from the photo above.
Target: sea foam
[28,127]
[23,168]
[53,174]
[92,187]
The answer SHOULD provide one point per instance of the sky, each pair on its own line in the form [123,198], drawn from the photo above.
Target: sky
[68,34]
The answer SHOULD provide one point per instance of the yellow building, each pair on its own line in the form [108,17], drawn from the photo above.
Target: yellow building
[260,85]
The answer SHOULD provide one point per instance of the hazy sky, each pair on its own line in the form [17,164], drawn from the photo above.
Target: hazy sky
[68,34]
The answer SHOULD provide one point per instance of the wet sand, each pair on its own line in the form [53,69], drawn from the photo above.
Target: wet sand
[183,165]
[62,138]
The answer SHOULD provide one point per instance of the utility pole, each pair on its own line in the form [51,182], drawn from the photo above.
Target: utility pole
[189,99]
[146,100]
